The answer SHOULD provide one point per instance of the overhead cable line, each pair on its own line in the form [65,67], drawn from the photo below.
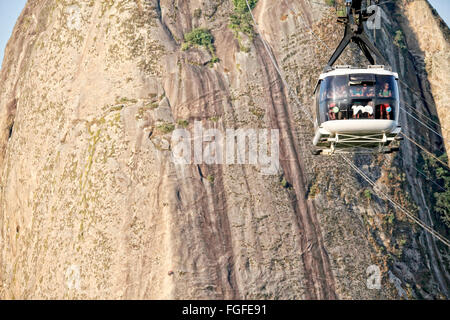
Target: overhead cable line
[419,113]
[422,174]
[420,96]
[425,150]
[418,120]
[395,204]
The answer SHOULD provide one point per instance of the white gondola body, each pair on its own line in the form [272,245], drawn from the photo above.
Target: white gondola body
[356,110]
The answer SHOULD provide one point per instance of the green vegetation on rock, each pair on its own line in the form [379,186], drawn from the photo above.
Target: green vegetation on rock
[241,21]
[200,37]
[126,100]
[441,176]
[183,123]
[240,6]
[285,184]
[166,127]
[210,178]
[399,39]
[389,218]
[198,13]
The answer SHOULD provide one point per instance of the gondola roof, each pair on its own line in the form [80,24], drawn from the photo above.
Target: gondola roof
[344,70]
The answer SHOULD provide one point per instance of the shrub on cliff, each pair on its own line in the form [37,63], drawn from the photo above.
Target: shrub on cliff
[240,6]
[200,37]
[241,20]
[399,39]
[441,176]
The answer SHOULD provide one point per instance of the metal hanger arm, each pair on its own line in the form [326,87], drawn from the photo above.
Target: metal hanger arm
[342,45]
[371,48]
[354,32]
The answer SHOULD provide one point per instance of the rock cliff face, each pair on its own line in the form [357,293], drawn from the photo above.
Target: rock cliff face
[431,49]
[93,207]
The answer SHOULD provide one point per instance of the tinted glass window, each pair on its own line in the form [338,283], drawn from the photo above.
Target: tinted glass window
[386,87]
[358,96]
[333,93]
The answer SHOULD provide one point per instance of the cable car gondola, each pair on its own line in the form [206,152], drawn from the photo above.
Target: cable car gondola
[357,109]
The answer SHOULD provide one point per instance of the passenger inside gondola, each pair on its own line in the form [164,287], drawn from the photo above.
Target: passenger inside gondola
[361,111]
[356,91]
[365,90]
[331,93]
[335,112]
[385,111]
[385,92]
[331,111]
[337,92]
[342,92]
[370,110]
